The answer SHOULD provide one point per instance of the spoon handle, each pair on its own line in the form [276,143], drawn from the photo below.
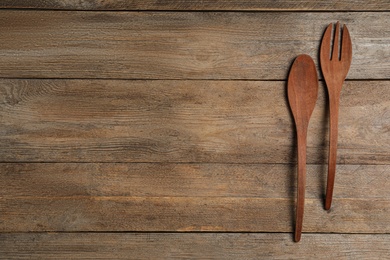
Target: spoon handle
[333,126]
[302,140]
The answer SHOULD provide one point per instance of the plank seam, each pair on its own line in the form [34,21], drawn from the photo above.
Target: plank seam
[197,11]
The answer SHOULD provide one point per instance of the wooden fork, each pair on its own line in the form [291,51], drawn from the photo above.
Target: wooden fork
[335,66]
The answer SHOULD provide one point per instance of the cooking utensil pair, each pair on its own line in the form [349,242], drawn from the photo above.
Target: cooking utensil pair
[335,60]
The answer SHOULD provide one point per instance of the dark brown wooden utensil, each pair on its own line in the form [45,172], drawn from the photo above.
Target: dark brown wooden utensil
[302,96]
[335,68]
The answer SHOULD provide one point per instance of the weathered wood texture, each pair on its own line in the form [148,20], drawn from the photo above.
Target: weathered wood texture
[82,152]
[187,197]
[187,5]
[36,214]
[186,180]
[181,45]
[182,121]
[192,246]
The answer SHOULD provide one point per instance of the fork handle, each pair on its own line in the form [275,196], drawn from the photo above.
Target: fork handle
[332,159]
[302,137]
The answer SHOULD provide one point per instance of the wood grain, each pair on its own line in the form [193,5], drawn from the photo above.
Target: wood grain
[177,197]
[188,143]
[182,121]
[91,214]
[192,246]
[181,45]
[187,5]
[187,180]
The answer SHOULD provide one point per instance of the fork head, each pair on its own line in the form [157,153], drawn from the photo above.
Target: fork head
[336,58]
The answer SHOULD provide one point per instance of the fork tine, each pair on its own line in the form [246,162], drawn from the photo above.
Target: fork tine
[346,46]
[335,52]
[325,44]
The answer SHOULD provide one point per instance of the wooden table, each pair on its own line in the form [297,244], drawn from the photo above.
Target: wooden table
[161,129]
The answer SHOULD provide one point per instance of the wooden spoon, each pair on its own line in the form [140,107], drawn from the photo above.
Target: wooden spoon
[302,96]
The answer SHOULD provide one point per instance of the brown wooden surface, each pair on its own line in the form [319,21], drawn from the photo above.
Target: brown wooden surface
[182,121]
[181,45]
[193,246]
[218,214]
[73,180]
[168,127]
[192,197]
[220,5]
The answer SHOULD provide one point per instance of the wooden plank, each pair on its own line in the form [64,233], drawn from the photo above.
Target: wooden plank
[181,45]
[89,213]
[187,180]
[220,5]
[192,246]
[183,121]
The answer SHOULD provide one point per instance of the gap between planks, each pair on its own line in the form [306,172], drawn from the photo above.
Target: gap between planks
[177,5]
[193,246]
